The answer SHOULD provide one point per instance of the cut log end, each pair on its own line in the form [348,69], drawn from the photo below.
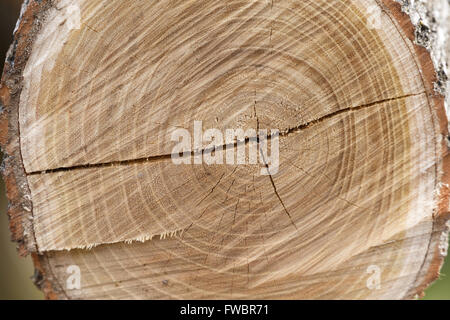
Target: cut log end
[93,93]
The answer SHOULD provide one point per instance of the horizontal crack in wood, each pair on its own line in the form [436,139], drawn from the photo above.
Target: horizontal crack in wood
[346,110]
[166,157]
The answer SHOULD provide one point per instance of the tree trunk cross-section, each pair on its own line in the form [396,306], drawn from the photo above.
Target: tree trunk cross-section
[93,90]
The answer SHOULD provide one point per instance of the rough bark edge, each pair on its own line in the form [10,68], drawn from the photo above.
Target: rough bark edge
[20,205]
[417,22]
[432,22]
[20,212]
[19,202]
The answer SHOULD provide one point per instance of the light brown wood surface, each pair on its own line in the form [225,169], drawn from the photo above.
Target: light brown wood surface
[96,89]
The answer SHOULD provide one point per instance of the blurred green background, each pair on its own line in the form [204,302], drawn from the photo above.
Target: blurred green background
[16,272]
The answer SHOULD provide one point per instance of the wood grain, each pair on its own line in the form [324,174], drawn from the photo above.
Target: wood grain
[99,87]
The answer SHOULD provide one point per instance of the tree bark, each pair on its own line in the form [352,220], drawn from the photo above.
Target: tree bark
[93,92]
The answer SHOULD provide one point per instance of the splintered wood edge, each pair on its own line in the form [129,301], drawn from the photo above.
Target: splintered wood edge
[20,205]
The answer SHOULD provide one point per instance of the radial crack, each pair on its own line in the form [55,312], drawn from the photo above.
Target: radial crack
[165,157]
[270,175]
[343,111]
